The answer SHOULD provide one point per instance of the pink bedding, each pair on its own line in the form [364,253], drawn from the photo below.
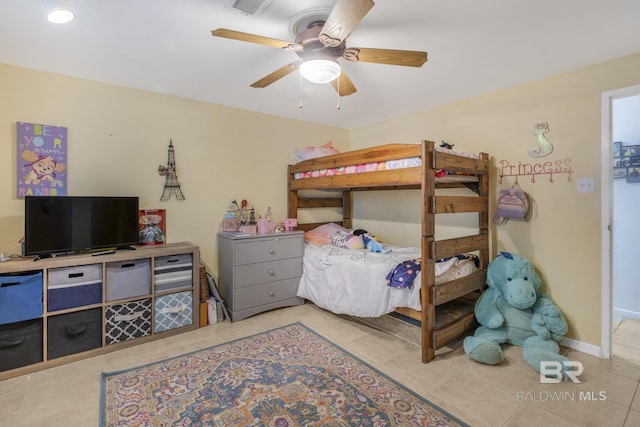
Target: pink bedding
[376,166]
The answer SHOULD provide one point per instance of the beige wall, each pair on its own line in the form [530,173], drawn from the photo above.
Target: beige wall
[119,136]
[563,241]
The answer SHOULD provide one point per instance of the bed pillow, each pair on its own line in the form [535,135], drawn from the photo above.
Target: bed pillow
[321,235]
[307,153]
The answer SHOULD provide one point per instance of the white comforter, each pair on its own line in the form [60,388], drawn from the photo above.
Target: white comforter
[354,282]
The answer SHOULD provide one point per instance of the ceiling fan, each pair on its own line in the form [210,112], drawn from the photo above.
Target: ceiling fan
[322,43]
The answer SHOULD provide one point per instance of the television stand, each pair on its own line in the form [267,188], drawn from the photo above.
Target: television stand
[118,300]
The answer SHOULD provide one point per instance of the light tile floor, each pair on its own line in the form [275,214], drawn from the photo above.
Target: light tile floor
[506,395]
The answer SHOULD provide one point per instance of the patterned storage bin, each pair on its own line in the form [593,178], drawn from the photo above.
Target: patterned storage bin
[75,332]
[128,321]
[70,287]
[128,279]
[173,272]
[20,344]
[20,296]
[173,311]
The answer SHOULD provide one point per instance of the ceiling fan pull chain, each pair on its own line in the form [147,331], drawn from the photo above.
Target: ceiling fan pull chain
[338,105]
[300,90]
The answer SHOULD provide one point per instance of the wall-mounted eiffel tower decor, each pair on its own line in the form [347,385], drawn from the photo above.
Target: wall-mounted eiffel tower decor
[171,184]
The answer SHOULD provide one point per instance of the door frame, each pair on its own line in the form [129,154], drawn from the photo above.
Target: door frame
[606,180]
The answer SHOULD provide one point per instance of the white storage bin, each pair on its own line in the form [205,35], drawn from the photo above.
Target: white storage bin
[128,279]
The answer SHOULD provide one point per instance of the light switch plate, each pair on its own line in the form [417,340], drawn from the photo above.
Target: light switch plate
[586,185]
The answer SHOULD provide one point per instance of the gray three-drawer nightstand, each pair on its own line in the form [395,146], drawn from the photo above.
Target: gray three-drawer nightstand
[259,273]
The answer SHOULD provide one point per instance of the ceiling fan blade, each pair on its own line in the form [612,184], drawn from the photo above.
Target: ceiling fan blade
[343,84]
[252,38]
[409,58]
[276,75]
[344,17]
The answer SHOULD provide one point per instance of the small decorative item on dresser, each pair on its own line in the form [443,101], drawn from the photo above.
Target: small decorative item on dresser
[289,224]
[249,229]
[266,226]
[230,222]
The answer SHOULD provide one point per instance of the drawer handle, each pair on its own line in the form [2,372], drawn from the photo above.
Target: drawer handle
[272,273]
[272,294]
[72,275]
[174,310]
[74,333]
[272,251]
[13,343]
[129,265]
[128,317]
[173,260]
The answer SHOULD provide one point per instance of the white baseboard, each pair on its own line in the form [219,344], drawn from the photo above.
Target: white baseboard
[625,314]
[583,347]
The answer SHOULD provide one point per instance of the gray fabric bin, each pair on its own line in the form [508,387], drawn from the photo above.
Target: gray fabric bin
[20,344]
[128,279]
[74,332]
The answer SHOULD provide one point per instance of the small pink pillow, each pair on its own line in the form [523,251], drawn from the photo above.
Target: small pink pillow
[321,235]
[307,153]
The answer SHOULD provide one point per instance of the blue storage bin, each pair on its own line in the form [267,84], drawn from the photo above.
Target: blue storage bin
[70,287]
[20,296]
[173,311]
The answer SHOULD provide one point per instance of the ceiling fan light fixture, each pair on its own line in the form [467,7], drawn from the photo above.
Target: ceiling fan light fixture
[320,70]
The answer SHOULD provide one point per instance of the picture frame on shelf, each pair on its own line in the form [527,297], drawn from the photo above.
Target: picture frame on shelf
[619,172]
[152,226]
[633,175]
[617,148]
[630,151]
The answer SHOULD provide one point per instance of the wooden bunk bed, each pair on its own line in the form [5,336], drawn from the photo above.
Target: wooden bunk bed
[466,171]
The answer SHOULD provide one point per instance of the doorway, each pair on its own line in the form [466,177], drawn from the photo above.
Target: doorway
[610,263]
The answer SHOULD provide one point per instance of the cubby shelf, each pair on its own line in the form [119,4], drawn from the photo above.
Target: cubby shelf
[89,305]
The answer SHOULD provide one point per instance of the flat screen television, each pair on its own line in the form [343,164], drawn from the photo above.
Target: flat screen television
[70,224]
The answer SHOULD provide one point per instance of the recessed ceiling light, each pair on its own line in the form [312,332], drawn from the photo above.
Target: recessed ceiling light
[61,16]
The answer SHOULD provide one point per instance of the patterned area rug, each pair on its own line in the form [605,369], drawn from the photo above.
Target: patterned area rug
[289,376]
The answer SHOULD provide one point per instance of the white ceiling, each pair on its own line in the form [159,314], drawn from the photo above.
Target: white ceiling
[166,46]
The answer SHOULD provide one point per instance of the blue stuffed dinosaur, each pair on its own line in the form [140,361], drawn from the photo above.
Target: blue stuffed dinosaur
[514,310]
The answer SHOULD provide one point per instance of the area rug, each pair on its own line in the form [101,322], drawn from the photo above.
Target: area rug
[289,376]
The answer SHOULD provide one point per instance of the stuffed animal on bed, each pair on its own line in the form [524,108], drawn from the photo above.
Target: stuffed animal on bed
[514,310]
[357,239]
[370,241]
